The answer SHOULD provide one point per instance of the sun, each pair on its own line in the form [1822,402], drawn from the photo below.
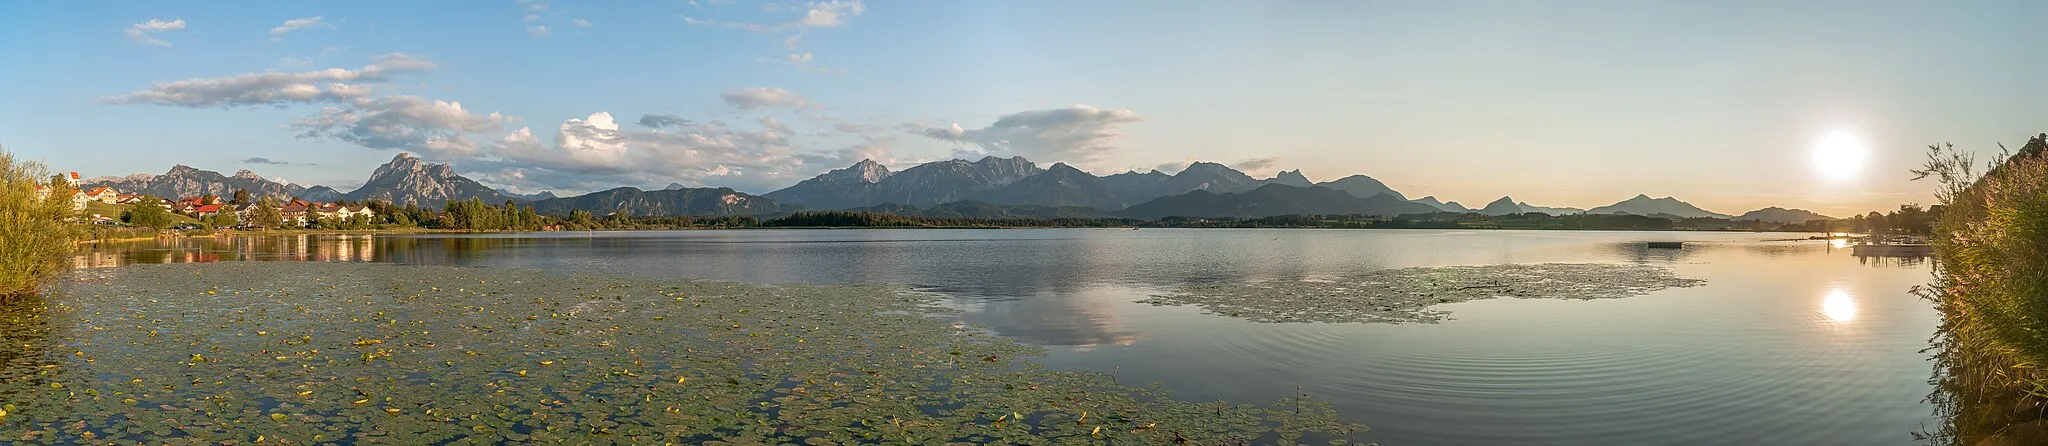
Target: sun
[1839,155]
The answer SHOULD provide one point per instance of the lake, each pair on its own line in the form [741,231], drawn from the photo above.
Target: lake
[1787,342]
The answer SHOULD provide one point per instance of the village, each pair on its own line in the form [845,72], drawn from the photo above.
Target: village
[104,205]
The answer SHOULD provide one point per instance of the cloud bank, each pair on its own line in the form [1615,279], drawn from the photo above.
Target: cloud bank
[278,33]
[145,32]
[1081,135]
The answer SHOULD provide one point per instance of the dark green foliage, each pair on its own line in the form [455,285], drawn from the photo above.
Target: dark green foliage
[881,220]
[1271,200]
[147,213]
[266,214]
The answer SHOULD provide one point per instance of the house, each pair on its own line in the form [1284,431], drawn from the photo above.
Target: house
[294,213]
[102,194]
[324,210]
[205,211]
[77,197]
[357,211]
[127,199]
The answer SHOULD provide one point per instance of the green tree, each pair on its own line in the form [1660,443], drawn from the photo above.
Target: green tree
[147,213]
[241,198]
[225,219]
[266,214]
[34,233]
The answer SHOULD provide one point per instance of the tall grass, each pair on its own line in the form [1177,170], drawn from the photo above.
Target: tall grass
[1991,285]
[34,232]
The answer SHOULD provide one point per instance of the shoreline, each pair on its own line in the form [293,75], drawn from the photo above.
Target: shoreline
[425,231]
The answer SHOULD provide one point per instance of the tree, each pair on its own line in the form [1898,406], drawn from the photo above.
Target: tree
[266,214]
[35,236]
[225,218]
[147,213]
[241,198]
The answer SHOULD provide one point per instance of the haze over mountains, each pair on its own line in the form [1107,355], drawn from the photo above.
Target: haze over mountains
[990,186]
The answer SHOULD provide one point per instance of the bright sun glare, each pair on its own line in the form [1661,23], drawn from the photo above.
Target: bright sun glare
[1839,155]
[1838,306]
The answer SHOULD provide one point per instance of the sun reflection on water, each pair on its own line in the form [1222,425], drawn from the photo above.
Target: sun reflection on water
[1838,306]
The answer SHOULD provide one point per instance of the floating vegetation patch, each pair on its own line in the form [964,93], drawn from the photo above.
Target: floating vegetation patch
[288,353]
[1409,294]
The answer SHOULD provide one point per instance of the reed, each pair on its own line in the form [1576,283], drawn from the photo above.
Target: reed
[1991,286]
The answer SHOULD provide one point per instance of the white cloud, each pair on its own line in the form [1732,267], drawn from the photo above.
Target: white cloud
[276,88]
[403,123]
[774,125]
[580,23]
[594,152]
[831,14]
[145,32]
[537,30]
[295,25]
[816,15]
[533,17]
[1081,135]
[1258,165]
[761,97]
[1174,166]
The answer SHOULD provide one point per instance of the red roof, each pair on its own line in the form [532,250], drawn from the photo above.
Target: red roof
[96,190]
[207,208]
[74,175]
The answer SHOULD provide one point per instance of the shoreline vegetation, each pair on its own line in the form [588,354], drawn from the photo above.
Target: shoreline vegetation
[874,220]
[1991,287]
[34,235]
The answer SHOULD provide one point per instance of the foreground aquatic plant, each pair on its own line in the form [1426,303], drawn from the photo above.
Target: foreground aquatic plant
[1409,294]
[291,353]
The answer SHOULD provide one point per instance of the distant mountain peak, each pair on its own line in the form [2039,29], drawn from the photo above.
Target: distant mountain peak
[1292,178]
[407,179]
[1642,204]
[673,186]
[1776,214]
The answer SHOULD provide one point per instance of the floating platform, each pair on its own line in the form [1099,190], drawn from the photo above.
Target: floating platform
[1893,250]
[1667,245]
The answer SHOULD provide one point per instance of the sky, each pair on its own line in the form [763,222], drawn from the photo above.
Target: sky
[1555,103]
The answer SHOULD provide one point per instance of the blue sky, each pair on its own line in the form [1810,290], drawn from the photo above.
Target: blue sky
[1563,103]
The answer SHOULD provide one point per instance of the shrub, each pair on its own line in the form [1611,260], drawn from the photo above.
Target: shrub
[35,228]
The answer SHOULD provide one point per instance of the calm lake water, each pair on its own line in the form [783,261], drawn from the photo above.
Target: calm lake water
[1787,343]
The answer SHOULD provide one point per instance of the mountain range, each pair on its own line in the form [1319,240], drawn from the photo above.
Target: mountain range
[1776,214]
[185,181]
[988,187]
[1655,207]
[1508,205]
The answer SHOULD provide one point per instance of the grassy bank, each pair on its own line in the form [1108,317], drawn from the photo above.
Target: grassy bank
[1991,285]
